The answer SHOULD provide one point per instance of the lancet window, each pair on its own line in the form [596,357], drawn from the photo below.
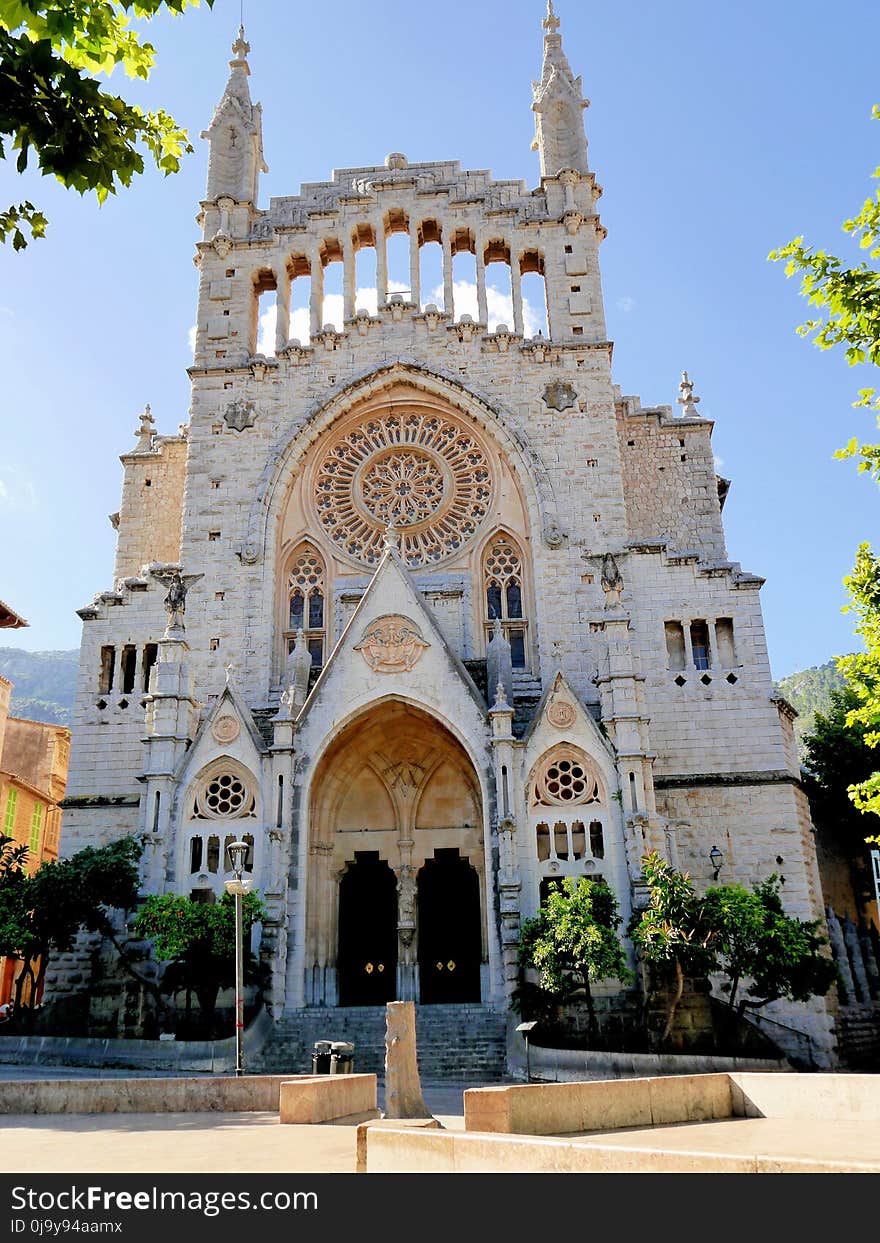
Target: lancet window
[306,602]
[504,595]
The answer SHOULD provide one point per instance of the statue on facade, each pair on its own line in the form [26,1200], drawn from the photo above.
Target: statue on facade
[499,662]
[612,582]
[175,602]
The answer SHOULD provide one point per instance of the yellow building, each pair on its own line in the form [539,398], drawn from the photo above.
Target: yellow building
[33,775]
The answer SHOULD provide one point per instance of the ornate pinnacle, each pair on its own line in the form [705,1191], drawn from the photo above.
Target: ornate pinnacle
[145,430]
[240,47]
[551,21]
[686,398]
[391,538]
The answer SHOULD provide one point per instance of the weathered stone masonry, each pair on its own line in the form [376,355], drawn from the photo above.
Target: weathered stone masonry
[351,516]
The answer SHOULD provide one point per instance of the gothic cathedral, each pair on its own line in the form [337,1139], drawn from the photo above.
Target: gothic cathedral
[417,603]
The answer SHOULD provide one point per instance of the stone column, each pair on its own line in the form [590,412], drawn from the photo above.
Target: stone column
[688,646]
[448,298]
[482,303]
[407,953]
[381,265]
[840,956]
[713,644]
[509,878]
[349,277]
[282,307]
[403,1090]
[516,296]
[316,294]
[872,970]
[851,940]
[415,275]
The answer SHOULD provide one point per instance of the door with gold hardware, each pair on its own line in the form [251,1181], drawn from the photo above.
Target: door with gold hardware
[367,960]
[450,943]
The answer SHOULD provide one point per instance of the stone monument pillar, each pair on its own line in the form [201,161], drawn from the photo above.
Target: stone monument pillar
[403,1090]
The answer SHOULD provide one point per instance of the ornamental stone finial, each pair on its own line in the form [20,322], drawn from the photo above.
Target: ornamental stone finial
[145,431]
[686,398]
[229,669]
[241,47]
[391,538]
[551,21]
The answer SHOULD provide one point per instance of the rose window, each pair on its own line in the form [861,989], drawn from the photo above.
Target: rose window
[403,488]
[566,780]
[223,797]
[426,475]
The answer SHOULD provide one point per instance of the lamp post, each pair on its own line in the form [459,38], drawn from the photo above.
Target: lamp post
[238,887]
[716,858]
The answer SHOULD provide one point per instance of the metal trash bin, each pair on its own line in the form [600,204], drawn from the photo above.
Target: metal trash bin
[321,1057]
[341,1058]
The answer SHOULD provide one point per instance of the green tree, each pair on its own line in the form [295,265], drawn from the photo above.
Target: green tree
[838,758]
[673,932]
[44,912]
[573,941]
[52,107]
[845,300]
[198,940]
[758,946]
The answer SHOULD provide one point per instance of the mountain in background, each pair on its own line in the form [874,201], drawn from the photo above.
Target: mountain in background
[43,683]
[810,692]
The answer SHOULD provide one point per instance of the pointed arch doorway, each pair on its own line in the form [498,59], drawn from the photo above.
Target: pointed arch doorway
[396,865]
[449,930]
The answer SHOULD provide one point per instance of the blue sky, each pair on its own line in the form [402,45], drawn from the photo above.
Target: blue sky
[717,131]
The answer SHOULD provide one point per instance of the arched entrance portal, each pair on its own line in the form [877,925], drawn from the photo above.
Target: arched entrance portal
[449,929]
[396,874]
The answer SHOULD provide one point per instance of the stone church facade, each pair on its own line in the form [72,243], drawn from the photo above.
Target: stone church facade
[418,604]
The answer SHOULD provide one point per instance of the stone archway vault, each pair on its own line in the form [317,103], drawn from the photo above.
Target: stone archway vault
[393,788]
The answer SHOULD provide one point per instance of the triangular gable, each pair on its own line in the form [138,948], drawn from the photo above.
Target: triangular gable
[228,703]
[392,590]
[559,687]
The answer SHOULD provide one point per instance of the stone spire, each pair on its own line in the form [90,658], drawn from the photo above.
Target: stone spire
[236,134]
[558,102]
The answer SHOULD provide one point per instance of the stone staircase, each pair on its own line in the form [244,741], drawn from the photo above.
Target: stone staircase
[858,1037]
[455,1042]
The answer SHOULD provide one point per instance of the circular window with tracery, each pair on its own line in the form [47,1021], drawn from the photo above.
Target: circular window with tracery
[223,797]
[565,779]
[425,474]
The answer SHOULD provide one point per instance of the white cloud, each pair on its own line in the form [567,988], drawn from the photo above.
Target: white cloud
[191,337]
[16,490]
[719,463]
[6,312]
[626,304]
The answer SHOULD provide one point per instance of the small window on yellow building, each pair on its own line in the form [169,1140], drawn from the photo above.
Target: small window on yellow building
[36,829]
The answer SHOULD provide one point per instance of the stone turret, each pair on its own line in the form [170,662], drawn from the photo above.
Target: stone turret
[236,135]
[558,102]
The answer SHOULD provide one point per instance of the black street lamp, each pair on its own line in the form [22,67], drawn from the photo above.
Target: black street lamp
[716,858]
[238,887]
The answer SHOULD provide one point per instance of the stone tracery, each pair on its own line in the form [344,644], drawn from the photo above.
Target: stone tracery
[426,474]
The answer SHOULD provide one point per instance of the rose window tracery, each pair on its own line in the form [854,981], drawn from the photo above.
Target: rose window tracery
[566,779]
[426,474]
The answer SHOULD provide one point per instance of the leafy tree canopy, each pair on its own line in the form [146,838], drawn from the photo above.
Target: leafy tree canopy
[837,758]
[846,301]
[198,940]
[573,940]
[756,942]
[54,112]
[45,911]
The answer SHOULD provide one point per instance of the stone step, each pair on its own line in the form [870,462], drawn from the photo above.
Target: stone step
[454,1042]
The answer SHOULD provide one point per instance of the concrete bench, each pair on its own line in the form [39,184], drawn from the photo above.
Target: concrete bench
[328,1098]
